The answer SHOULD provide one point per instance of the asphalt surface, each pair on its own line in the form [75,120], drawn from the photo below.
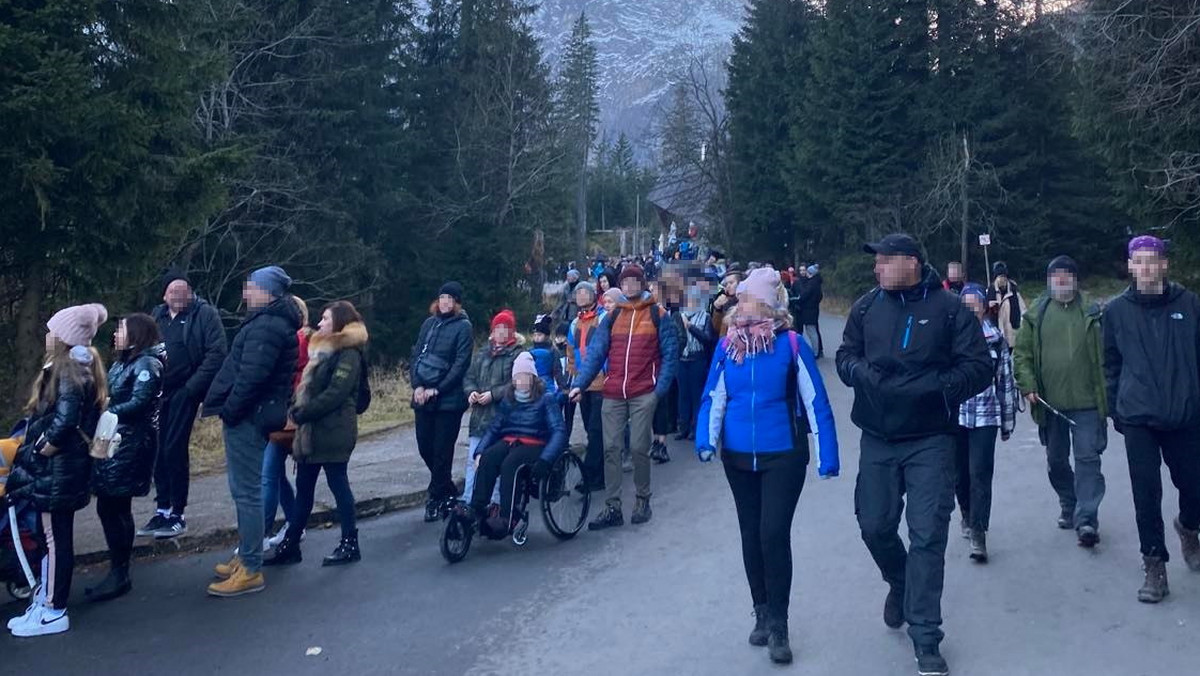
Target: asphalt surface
[668,597]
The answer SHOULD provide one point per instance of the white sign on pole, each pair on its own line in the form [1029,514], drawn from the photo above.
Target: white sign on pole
[985,240]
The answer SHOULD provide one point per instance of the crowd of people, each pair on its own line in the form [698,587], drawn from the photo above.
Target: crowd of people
[721,355]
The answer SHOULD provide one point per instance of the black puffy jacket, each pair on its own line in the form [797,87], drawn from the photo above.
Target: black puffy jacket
[134,388]
[448,341]
[206,347]
[912,357]
[59,482]
[255,381]
[1152,359]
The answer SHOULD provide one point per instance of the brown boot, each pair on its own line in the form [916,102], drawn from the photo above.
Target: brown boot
[241,582]
[1189,541]
[1155,588]
[225,570]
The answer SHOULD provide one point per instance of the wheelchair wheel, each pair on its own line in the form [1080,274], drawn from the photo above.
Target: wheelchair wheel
[456,538]
[565,498]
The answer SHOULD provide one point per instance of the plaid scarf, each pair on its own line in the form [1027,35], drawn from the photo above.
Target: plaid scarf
[748,336]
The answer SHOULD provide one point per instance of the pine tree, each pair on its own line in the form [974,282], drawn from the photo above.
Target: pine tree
[578,90]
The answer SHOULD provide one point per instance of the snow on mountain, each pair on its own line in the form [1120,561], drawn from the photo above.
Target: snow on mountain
[642,46]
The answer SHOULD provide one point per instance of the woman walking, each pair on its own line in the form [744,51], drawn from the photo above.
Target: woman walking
[440,360]
[326,416]
[134,391]
[980,418]
[54,467]
[763,395]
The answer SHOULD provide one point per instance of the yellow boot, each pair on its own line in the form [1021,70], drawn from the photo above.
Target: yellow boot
[241,582]
[225,570]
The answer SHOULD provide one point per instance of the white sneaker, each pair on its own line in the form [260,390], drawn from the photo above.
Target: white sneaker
[31,612]
[275,539]
[45,623]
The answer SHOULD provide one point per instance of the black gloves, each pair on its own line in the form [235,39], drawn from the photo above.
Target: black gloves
[541,469]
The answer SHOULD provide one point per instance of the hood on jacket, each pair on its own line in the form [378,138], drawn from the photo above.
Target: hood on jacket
[644,301]
[284,308]
[1171,293]
[352,335]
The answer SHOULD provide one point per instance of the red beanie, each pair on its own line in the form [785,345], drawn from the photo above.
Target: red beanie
[631,270]
[505,318]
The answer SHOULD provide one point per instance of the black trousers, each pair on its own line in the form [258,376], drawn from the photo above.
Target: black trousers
[590,406]
[569,418]
[922,469]
[1147,449]
[437,432]
[58,566]
[766,502]
[172,467]
[306,488]
[665,414]
[501,461]
[975,461]
[692,374]
[116,518]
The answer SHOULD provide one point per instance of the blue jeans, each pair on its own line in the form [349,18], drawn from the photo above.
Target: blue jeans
[469,479]
[244,445]
[276,489]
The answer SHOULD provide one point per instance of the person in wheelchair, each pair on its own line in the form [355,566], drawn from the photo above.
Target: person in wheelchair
[528,430]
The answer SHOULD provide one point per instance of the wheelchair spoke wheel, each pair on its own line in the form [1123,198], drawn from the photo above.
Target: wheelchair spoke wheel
[456,538]
[565,498]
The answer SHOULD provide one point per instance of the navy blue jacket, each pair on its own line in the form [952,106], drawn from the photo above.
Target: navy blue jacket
[541,419]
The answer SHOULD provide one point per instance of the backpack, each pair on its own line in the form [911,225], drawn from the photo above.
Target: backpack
[363,400]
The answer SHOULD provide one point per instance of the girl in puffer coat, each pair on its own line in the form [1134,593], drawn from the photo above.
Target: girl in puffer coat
[53,467]
[134,389]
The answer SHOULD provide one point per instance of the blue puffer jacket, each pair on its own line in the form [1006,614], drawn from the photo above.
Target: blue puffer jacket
[541,419]
[758,415]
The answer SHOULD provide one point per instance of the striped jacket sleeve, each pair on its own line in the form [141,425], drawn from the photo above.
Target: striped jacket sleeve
[811,388]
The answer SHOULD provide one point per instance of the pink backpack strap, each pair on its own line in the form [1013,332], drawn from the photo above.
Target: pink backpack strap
[795,341]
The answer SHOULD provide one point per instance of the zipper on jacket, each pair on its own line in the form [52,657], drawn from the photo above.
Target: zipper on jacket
[907,333]
[753,418]
[628,345]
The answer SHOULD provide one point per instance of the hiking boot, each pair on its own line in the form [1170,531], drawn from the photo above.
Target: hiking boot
[225,570]
[777,641]
[240,583]
[979,546]
[286,554]
[1066,519]
[1155,588]
[1189,542]
[346,552]
[156,523]
[432,511]
[930,662]
[966,530]
[44,622]
[658,453]
[642,512]
[116,583]
[893,608]
[758,637]
[609,518]
[174,527]
[1088,536]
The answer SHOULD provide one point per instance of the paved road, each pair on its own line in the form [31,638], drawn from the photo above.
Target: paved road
[665,598]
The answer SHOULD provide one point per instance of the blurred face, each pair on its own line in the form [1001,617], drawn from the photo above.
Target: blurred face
[1148,270]
[974,304]
[523,382]
[631,287]
[752,307]
[583,298]
[178,296]
[446,303]
[729,285]
[121,337]
[897,271]
[325,326]
[51,343]
[502,334]
[954,272]
[1001,282]
[1062,285]
[254,297]
[539,337]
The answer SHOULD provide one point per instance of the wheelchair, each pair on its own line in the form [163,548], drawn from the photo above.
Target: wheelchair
[563,495]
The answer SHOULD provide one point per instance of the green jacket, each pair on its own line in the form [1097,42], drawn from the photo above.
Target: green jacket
[1027,354]
[326,401]
[490,374]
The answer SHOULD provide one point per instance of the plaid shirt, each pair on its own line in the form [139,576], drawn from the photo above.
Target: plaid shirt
[997,405]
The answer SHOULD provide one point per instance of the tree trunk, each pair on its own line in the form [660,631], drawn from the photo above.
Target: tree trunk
[966,207]
[30,343]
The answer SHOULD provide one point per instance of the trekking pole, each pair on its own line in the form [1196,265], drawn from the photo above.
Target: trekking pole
[1055,411]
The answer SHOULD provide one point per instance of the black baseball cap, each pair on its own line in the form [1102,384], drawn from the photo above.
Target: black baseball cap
[897,244]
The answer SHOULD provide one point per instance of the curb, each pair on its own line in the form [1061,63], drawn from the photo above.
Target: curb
[226,537]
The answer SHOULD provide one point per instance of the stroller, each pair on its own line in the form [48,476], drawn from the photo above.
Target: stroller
[21,550]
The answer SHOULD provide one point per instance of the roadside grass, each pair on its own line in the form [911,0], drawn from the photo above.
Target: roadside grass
[390,398]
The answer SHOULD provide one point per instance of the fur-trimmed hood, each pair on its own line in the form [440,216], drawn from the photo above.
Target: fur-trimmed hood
[321,347]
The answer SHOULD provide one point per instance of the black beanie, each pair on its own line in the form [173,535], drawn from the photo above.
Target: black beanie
[999,268]
[1063,263]
[452,289]
[173,275]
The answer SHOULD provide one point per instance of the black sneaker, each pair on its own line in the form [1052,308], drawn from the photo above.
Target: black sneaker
[1088,536]
[930,662]
[658,453]
[432,511]
[642,512]
[174,527]
[893,608]
[156,523]
[1066,520]
[609,518]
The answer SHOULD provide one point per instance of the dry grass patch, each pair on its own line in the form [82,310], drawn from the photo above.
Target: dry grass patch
[390,398]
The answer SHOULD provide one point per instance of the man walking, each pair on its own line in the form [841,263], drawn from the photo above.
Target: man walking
[196,346]
[1058,360]
[639,345]
[1152,370]
[579,339]
[251,394]
[912,355]
[808,303]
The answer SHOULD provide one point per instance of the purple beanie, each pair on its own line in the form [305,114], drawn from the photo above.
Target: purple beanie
[1147,243]
[77,325]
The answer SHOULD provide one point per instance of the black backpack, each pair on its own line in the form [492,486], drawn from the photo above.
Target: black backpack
[364,387]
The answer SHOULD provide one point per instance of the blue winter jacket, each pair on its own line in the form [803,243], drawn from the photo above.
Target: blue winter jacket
[746,406]
[541,419]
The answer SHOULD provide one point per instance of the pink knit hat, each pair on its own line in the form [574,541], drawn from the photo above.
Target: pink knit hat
[763,285]
[77,325]
[524,364]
